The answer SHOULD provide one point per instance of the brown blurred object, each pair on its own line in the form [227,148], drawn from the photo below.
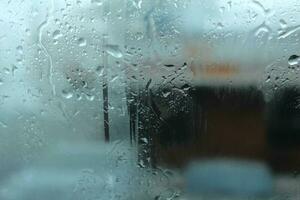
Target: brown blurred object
[226,123]
[220,122]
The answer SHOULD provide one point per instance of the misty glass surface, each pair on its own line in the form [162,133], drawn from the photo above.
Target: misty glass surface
[149,99]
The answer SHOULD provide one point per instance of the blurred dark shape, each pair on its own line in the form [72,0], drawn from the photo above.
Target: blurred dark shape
[284,129]
[213,122]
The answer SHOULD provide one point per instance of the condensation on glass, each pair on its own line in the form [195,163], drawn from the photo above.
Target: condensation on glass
[149,99]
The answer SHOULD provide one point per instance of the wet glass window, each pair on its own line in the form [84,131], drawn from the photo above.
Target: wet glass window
[149,99]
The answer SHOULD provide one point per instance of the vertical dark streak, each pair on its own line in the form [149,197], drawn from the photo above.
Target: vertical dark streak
[132,113]
[131,121]
[105,94]
[105,110]
[106,9]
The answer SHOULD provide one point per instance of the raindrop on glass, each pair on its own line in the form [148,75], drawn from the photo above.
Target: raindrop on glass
[56,34]
[67,94]
[20,49]
[144,140]
[90,97]
[283,23]
[27,31]
[166,93]
[81,42]
[294,60]
[97,2]
[114,51]
[268,79]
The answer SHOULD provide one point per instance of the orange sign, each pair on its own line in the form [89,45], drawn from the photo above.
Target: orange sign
[215,70]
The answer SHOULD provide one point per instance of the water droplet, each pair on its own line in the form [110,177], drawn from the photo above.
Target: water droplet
[42,111]
[67,94]
[137,4]
[220,25]
[3,124]
[229,4]
[78,97]
[81,42]
[268,79]
[144,140]
[222,9]
[56,34]
[97,2]
[294,60]
[141,164]
[78,2]
[27,31]
[169,65]
[114,51]
[57,21]
[166,93]
[283,23]
[82,19]
[263,30]
[158,197]
[100,70]
[20,49]
[6,70]
[90,97]
[13,69]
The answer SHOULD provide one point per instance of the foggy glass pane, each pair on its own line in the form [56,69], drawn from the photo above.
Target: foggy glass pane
[149,99]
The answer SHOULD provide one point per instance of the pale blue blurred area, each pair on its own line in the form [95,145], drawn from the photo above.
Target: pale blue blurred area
[230,178]
[76,171]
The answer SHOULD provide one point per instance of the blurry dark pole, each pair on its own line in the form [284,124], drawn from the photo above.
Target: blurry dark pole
[104,76]
[105,100]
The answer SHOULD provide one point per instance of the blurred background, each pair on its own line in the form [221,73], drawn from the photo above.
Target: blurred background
[149,99]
